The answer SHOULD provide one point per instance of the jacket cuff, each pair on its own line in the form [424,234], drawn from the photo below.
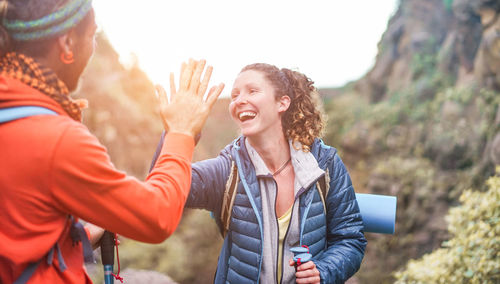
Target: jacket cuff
[179,144]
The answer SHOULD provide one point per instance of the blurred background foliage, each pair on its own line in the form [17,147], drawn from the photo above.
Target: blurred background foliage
[472,253]
[423,124]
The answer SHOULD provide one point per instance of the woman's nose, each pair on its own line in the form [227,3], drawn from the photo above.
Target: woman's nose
[241,100]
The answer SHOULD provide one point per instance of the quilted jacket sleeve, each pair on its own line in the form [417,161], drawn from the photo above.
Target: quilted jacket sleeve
[345,239]
[208,180]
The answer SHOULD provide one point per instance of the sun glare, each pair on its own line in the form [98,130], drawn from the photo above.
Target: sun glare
[332,42]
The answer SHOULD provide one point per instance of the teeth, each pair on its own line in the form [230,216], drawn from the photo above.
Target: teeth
[247,114]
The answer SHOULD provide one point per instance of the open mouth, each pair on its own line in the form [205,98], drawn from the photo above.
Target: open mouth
[246,115]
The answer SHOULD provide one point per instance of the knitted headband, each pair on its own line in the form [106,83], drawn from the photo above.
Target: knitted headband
[53,24]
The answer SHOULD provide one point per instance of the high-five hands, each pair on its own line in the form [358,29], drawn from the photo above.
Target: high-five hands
[187,110]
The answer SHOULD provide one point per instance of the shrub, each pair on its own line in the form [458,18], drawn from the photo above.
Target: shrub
[472,254]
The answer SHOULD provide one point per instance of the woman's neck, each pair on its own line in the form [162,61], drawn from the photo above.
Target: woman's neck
[274,150]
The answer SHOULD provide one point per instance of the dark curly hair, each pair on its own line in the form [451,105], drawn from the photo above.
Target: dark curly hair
[303,121]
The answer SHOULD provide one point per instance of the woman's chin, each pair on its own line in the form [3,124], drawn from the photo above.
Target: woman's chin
[247,131]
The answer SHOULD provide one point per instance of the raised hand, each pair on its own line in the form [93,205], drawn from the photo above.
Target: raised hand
[187,110]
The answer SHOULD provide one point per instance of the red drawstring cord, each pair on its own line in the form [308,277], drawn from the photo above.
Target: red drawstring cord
[298,260]
[117,275]
[306,248]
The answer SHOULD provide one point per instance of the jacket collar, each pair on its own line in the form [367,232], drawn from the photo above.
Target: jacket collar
[305,165]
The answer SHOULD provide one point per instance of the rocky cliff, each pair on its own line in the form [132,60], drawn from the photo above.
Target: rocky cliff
[424,123]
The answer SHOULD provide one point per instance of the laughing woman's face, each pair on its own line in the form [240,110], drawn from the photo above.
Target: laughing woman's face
[253,105]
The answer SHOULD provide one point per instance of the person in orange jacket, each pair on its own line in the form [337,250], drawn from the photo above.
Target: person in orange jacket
[53,171]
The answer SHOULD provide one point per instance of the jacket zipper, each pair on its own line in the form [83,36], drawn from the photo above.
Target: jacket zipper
[278,236]
[299,193]
[277,227]
[284,239]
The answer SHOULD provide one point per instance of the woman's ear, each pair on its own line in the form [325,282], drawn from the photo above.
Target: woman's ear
[284,103]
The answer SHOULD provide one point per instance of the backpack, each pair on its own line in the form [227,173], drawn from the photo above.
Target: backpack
[77,232]
[322,185]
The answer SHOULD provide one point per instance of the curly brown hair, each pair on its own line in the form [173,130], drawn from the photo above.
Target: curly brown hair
[303,121]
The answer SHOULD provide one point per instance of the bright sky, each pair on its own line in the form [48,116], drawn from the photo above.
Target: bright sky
[332,42]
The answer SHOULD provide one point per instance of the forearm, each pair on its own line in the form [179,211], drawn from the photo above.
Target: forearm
[208,182]
[341,260]
[94,234]
[87,185]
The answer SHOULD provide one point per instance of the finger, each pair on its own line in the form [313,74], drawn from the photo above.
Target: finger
[186,75]
[183,67]
[315,279]
[304,273]
[306,266]
[162,95]
[291,262]
[204,83]
[172,85]
[307,278]
[214,94]
[195,81]
[307,273]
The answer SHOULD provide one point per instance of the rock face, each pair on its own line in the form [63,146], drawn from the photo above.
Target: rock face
[424,123]
[462,34]
[495,150]
[488,62]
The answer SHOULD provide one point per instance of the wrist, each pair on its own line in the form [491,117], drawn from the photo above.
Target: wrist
[181,131]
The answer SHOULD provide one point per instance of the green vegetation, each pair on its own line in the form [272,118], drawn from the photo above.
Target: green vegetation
[472,254]
[427,150]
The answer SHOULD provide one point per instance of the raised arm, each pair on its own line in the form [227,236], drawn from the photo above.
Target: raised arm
[85,183]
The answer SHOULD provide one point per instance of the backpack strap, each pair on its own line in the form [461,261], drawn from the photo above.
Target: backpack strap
[323,186]
[14,113]
[228,198]
[77,233]
[28,271]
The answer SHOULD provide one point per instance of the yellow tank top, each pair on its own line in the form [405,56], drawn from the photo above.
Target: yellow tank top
[283,223]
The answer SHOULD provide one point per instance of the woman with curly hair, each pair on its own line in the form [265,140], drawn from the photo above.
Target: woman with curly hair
[279,160]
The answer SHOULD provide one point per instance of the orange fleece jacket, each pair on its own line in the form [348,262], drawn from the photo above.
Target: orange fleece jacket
[52,166]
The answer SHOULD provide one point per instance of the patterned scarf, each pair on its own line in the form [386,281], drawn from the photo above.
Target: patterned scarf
[28,71]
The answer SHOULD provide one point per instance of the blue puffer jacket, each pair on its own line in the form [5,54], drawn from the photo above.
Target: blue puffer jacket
[335,239]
